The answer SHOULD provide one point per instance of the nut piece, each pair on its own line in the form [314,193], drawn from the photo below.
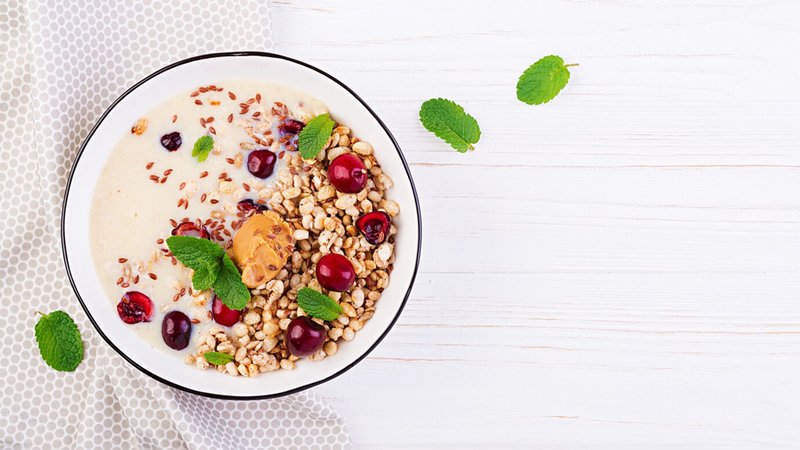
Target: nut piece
[139,127]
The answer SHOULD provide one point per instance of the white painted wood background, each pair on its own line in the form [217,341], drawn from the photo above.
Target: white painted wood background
[617,269]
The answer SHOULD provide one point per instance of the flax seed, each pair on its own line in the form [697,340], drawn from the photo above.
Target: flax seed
[203,198]
[213,201]
[119,280]
[174,118]
[183,185]
[230,118]
[163,180]
[173,222]
[198,102]
[250,101]
[203,89]
[258,98]
[212,130]
[223,175]
[149,165]
[167,172]
[174,261]
[229,160]
[122,260]
[202,122]
[160,241]
[231,95]
[136,279]
[194,94]
[124,285]
[257,113]
[246,187]
[195,321]
[180,203]
[204,174]
[152,276]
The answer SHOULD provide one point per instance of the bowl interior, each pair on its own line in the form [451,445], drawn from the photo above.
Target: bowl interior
[346,108]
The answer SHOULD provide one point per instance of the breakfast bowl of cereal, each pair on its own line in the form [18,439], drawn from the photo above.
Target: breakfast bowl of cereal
[241,226]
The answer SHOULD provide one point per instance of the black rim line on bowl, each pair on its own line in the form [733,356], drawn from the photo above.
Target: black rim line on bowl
[218,55]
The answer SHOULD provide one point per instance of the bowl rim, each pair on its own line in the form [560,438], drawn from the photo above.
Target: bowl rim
[224,55]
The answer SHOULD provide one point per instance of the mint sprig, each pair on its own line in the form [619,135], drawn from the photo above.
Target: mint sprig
[202,147]
[543,80]
[59,341]
[217,358]
[212,267]
[315,135]
[448,121]
[316,304]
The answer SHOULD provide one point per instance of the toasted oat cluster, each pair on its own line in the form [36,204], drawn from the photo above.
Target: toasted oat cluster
[324,221]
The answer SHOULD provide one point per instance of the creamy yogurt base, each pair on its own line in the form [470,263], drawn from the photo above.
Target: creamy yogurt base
[131,211]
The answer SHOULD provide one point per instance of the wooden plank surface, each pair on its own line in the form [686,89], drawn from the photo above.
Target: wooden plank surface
[617,269]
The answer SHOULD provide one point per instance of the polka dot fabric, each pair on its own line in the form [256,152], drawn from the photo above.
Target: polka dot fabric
[63,64]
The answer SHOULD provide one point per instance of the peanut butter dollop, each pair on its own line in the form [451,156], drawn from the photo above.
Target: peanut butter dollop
[261,247]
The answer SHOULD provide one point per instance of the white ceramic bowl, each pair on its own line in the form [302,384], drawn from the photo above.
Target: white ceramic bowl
[346,107]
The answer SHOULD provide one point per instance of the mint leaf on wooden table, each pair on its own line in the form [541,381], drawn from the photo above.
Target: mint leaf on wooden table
[202,147]
[316,304]
[59,341]
[212,267]
[543,80]
[229,287]
[315,135]
[217,358]
[450,122]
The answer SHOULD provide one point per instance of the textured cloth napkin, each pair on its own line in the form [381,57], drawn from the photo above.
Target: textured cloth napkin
[63,63]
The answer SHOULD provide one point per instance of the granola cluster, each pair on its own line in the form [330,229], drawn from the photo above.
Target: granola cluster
[324,222]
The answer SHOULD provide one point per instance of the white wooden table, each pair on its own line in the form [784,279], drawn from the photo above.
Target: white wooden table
[617,269]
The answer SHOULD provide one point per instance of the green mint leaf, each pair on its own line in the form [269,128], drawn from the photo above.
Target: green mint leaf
[59,341]
[316,304]
[195,253]
[229,287]
[205,275]
[315,135]
[543,80]
[450,122]
[202,147]
[200,255]
[217,358]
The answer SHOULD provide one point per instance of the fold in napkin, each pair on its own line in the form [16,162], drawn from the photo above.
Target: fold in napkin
[63,63]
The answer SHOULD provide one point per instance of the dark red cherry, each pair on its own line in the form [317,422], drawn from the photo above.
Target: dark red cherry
[304,337]
[250,207]
[171,141]
[261,163]
[291,126]
[347,173]
[335,272]
[176,329]
[191,229]
[135,307]
[222,314]
[374,226]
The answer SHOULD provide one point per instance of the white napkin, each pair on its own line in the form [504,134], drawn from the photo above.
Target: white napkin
[63,63]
